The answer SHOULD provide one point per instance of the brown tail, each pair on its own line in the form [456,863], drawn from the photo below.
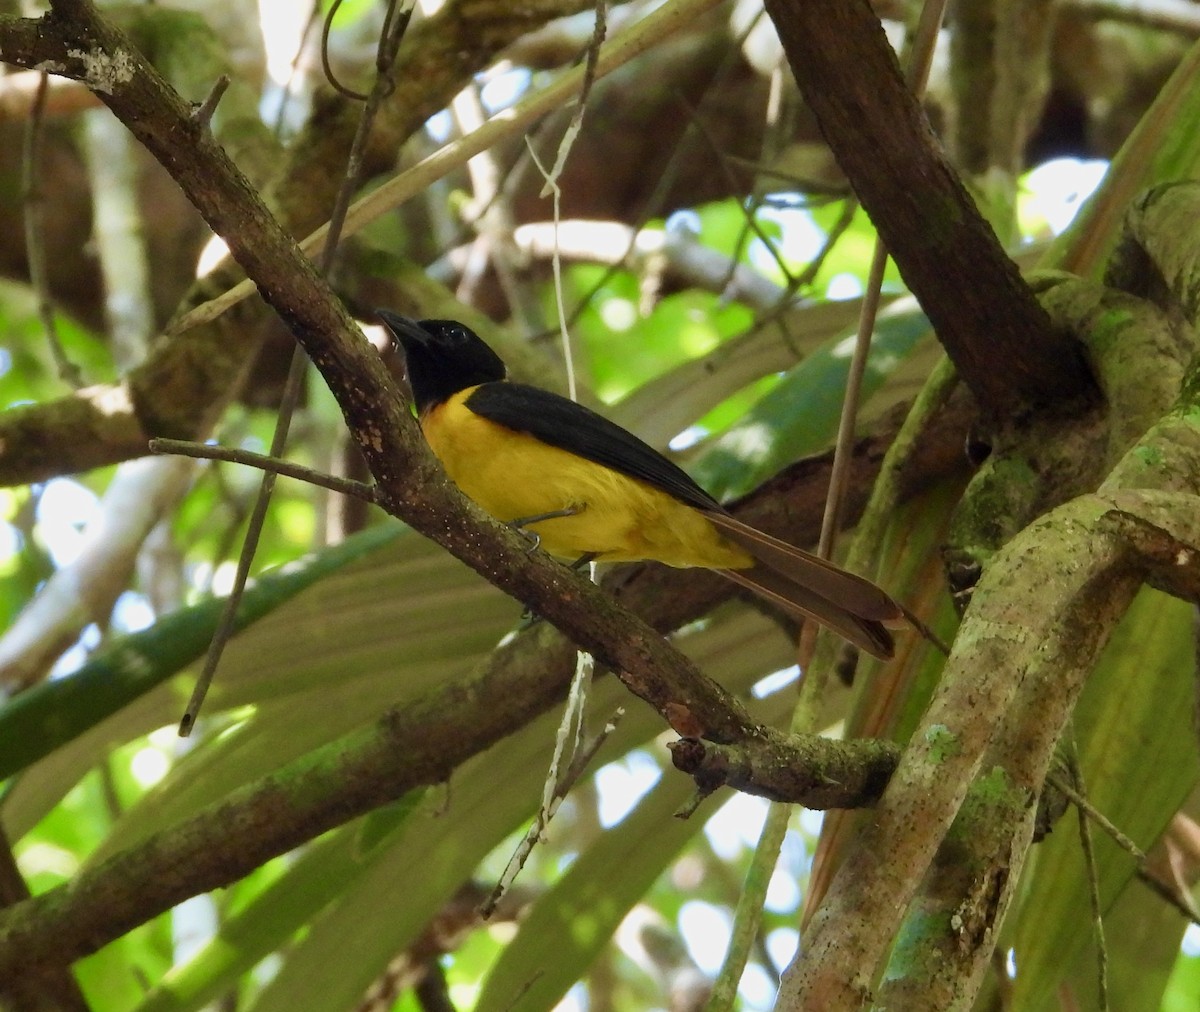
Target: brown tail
[802,602]
[805,585]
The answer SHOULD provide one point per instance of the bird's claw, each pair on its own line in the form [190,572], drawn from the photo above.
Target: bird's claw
[532,537]
[521,524]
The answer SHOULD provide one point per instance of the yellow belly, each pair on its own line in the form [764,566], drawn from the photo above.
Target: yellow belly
[511,475]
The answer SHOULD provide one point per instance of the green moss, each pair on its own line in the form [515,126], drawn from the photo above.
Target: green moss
[995,788]
[997,504]
[1110,326]
[919,941]
[943,743]
[993,800]
[1151,456]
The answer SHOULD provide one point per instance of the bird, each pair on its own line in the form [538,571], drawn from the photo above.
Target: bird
[585,488]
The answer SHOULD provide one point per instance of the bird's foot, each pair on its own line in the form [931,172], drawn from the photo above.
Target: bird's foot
[521,524]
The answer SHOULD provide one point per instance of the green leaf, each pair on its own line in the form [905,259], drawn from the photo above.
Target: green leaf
[800,415]
[372,636]
[274,914]
[1138,755]
[487,799]
[662,408]
[36,722]
[1183,989]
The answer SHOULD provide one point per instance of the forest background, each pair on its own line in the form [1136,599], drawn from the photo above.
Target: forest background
[376,739]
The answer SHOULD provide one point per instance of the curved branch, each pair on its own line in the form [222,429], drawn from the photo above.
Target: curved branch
[1018,665]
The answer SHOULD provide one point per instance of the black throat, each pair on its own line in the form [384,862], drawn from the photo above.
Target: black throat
[443,357]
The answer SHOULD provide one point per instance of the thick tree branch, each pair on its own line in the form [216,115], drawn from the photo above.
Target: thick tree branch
[90,428]
[992,327]
[787,770]
[403,750]
[417,746]
[1011,647]
[979,864]
[1017,669]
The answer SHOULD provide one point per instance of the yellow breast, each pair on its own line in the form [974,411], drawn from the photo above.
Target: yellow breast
[512,475]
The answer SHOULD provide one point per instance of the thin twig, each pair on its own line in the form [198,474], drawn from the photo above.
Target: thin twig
[35,250]
[919,60]
[389,42]
[816,192]
[394,27]
[589,78]
[844,220]
[1173,897]
[815,682]
[326,67]
[750,221]
[1126,844]
[844,446]
[747,918]
[665,181]
[203,113]
[568,739]
[258,515]
[275,465]
[1098,817]
[551,177]
[579,764]
[1093,877]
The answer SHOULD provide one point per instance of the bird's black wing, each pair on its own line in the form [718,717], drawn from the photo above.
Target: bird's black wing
[579,430]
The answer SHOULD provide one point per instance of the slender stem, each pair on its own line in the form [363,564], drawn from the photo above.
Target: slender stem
[35,250]
[388,44]
[274,465]
[634,41]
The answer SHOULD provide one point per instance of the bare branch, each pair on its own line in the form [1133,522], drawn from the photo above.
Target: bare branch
[992,327]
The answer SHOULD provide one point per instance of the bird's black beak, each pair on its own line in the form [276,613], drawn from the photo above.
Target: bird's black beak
[403,329]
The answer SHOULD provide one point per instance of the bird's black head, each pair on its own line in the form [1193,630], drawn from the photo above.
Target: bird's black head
[443,357]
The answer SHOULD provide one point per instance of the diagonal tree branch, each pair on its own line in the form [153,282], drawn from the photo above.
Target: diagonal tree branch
[185,380]
[411,485]
[405,749]
[435,734]
[992,327]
